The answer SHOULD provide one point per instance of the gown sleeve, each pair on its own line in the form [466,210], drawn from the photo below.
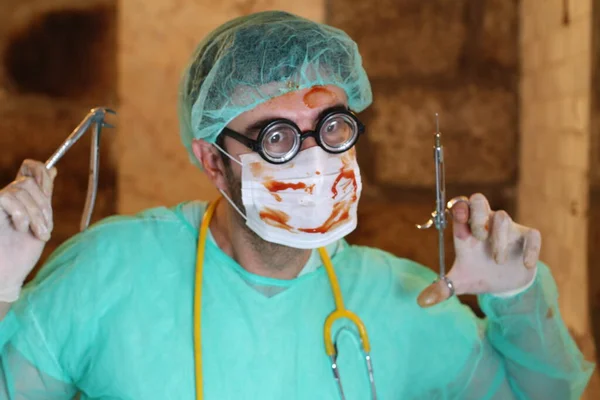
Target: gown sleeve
[44,338]
[521,350]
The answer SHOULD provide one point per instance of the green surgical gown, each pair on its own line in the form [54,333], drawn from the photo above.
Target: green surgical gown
[110,316]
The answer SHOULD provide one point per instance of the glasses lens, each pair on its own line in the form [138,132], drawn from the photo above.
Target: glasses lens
[280,142]
[338,132]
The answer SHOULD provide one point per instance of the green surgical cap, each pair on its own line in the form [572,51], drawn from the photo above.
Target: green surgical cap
[254,58]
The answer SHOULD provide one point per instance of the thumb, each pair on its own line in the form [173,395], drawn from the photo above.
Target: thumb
[436,293]
[439,290]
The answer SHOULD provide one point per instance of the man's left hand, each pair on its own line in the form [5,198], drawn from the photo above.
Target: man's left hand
[493,254]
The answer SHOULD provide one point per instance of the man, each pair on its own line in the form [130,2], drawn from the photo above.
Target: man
[229,300]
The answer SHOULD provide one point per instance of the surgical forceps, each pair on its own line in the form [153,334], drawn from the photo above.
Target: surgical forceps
[95,116]
[438,217]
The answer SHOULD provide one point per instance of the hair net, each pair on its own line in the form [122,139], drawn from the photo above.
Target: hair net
[254,58]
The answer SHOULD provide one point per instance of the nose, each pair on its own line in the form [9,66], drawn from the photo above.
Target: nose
[308,143]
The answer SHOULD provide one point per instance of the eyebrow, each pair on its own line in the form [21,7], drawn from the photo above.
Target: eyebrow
[260,124]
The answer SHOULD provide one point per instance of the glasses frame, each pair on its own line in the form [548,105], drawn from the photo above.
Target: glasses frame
[256,144]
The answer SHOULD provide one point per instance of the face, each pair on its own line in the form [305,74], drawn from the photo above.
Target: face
[303,107]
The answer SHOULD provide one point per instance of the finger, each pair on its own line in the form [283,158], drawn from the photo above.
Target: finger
[479,216]
[38,171]
[435,293]
[532,247]
[16,211]
[42,202]
[460,218]
[36,218]
[501,225]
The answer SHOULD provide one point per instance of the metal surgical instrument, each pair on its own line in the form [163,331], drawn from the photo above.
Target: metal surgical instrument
[95,116]
[439,216]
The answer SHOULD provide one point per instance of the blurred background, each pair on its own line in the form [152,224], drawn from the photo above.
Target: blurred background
[516,84]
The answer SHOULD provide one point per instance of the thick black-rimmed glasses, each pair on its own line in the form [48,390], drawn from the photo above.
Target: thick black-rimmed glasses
[280,140]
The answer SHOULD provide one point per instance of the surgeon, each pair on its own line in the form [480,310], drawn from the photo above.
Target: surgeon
[237,298]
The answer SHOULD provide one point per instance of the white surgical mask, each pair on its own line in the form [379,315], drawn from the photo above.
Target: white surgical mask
[307,203]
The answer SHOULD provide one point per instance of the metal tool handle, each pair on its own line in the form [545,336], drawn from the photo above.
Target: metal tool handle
[438,217]
[95,116]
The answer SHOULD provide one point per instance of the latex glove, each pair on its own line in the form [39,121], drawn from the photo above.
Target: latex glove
[25,225]
[493,254]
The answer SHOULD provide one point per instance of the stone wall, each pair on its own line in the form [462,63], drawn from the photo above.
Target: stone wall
[459,58]
[57,61]
[455,58]
[555,148]
[156,40]
[594,198]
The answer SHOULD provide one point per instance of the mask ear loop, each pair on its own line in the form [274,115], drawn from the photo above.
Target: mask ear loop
[227,154]
[223,192]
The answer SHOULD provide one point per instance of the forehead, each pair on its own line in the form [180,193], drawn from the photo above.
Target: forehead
[298,104]
[310,98]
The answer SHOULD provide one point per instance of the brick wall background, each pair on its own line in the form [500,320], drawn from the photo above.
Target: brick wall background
[515,83]
[156,40]
[58,60]
[555,148]
[593,223]
[456,58]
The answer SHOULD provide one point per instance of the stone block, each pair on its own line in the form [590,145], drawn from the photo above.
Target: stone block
[581,70]
[527,33]
[478,126]
[58,61]
[556,48]
[499,41]
[574,113]
[564,76]
[156,42]
[399,38]
[573,151]
[579,36]
[533,56]
[580,8]
[548,18]
[553,115]
[544,86]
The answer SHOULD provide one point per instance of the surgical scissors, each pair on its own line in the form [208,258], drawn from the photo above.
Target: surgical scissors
[438,217]
[95,116]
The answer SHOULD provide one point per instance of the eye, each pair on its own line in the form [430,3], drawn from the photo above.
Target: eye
[280,140]
[332,126]
[338,131]
[275,138]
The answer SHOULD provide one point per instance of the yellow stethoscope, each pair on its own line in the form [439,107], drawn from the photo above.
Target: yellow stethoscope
[340,312]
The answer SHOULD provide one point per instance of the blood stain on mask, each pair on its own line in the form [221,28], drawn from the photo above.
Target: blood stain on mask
[276,218]
[344,174]
[319,96]
[256,168]
[339,214]
[277,186]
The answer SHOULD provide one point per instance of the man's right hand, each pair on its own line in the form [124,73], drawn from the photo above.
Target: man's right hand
[25,225]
